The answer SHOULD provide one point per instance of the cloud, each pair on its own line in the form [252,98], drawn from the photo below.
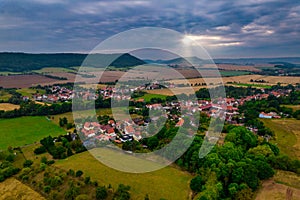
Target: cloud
[255,27]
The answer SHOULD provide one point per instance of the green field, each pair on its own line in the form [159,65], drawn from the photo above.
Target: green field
[53,70]
[167,183]
[294,107]
[287,135]
[147,97]
[252,85]
[26,130]
[29,92]
[4,95]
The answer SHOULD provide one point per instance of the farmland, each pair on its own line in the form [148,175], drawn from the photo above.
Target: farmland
[13,189]
[8,106]
[270,80]
[252,85]
[276,187]
[155,184]
[25,81]
[287,133]
[26,130]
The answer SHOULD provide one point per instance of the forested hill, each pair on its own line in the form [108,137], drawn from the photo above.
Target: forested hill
[23,62]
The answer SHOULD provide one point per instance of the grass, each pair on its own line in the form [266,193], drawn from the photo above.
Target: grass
[168,183]
[8,106]
[287,135]
[147,97]
[252,85]
[29,92]
[26,130]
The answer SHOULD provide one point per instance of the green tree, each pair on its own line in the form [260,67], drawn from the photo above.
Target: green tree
[101,193]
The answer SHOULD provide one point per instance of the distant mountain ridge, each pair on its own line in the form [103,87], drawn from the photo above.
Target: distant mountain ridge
[22,62]
[234,61]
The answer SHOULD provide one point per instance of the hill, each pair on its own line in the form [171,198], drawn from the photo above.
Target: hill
[24,62]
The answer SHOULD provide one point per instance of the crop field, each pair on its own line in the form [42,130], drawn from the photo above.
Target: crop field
[287,135]
[270,80]
[8,106]
[226,73]
[238,67]
[26,81]
[276,187]
[12,189]
[156,184]
[26,130]
[294,107]
[252,85]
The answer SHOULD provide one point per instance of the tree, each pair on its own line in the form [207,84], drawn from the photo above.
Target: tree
[122,193]
[196,184]
[101,193]
[27,163]
[79,173]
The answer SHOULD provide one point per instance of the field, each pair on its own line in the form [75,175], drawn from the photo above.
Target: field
[8,106]
[271,80]
[26,81]
[148,97]
[29,92]
[4,95]
[54,70]
[12,189]
[294,107]
[287,132]
[26,130]
[252,85]
[233,73]
[276,187]
[238,67]
[168,183]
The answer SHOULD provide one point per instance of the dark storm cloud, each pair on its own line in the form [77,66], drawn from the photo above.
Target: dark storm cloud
[225,28]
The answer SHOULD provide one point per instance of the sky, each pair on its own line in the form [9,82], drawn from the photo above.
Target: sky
[226,29]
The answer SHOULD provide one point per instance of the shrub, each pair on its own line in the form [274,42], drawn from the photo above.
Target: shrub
[79,173]
[27,163]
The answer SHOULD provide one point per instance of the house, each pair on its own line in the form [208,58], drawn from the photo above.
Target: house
[265,115]
[129,130]
[180,122]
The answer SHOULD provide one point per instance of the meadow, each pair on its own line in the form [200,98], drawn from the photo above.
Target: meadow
[147,97]
[29,92]
[26,130]
[168,183]
[252,85]
[287,135]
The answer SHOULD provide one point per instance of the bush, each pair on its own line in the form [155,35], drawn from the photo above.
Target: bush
[47,189]
[79,173]
[27,163]
[101,193]
[87,180]
[40,150]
